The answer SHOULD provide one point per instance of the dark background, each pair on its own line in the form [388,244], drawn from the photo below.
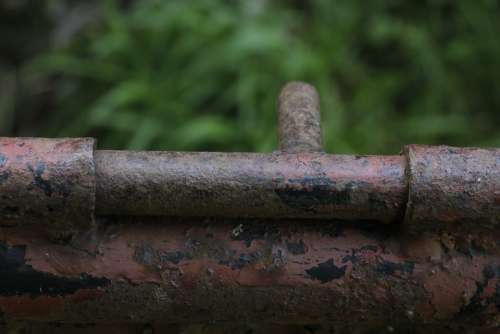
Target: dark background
[204,75]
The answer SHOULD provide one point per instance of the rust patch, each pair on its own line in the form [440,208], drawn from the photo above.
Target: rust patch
[49,183]
[169,270]
[19,278]
[28,307]
[452,188]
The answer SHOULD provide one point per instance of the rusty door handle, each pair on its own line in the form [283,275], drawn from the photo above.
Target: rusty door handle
[61,184]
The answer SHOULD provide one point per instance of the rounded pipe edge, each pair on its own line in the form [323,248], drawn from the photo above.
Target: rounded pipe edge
[48,183]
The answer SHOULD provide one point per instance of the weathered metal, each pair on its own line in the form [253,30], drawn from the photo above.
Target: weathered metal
[348,277]
[453,188]
[49,182]
[278,185]
[352,278]
[61,183]
[299,118]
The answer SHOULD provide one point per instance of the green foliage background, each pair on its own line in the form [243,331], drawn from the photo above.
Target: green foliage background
[204,75]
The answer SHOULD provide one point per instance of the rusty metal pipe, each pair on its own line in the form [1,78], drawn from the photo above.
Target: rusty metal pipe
[299,118]
[48,182]
[62,183]
[55,183]
[278,185]
[354,278]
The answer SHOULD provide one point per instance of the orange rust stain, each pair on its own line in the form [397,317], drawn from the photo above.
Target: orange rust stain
[448,293]
[86,294]
[425,309]
[252,277]
[423,249]
[26,306]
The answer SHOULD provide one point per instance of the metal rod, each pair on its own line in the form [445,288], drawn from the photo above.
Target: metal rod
[299,118]
[279,185]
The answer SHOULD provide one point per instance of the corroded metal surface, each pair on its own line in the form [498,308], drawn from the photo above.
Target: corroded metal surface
[48,182]
[278,185]
[164,271]
[212,328]
[56,182]
[299,118]
[453,188]
[357,277]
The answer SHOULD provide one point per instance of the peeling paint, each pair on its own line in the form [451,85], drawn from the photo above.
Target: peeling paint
[173,270]
[18,278]
[326,271]
[48,183]
[3,160]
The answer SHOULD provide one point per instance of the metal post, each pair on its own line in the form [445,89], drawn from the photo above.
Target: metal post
[299,118]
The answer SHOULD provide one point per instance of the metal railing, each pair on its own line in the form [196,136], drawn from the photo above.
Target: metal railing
[64,183]
[112,264]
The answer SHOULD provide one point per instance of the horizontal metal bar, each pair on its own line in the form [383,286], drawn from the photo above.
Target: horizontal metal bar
[353,277]
[307,185]
[63,183]
[186,271]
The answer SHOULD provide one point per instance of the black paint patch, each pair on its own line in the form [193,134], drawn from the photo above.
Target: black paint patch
[309,192]
[18,278]
[296,248]
[38,181]
[477,304]
[376,203]
[4,176]
[10,211]
[242,261]
[326,271]
[470,248]
[389,268]
[334,228]
[174,257]
[3,160]
[370,248]
[49,188]
[147,255]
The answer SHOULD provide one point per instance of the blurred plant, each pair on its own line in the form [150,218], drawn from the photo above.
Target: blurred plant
[204,75]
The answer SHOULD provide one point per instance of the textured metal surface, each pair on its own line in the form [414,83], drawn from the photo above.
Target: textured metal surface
[191,271]
[299,118]
[49,182]
[217,328]
[306,185]
[345,278]
[56,182]
[453,188]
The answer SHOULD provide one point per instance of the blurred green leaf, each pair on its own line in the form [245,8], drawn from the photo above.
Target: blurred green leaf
[205,74]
